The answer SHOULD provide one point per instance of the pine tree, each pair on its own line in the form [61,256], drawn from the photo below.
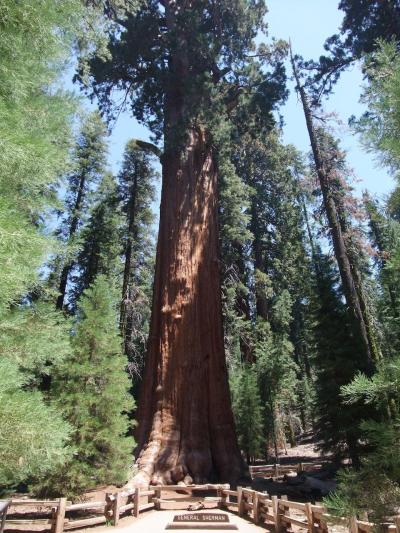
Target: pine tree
[328,164]
[34,129]
[247,406]
[34,339]
[100,238]
[89,160]
[136,194]
[33,434]
[91,389]
[337,359]
[374,488]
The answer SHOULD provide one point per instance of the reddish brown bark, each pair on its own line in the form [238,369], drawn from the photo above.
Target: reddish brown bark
[185,424]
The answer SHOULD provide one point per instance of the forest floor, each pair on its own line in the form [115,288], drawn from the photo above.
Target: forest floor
[310,486]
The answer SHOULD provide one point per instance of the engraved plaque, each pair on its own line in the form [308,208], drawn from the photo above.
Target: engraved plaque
[201,517]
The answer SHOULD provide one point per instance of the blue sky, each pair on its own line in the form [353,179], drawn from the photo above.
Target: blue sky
[307,23]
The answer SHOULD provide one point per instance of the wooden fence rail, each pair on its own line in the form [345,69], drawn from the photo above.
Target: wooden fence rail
[276,470]
[280,514]
[3,513]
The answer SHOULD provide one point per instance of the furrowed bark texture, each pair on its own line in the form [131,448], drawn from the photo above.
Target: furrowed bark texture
[186,429]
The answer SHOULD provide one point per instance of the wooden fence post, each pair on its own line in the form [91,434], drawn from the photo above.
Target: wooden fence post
[240,501]
[157,497]
[256,508]
[310,517]
[397,523]
[115,509]
[353,525]
[58,526]
[222,498]
[276,512]
[284,525]
[4,505]
[136,502]
[108,506]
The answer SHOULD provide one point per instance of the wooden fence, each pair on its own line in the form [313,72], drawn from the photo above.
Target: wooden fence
[281,515]
[3,513]
[278,514]
[276,470]
[61,515]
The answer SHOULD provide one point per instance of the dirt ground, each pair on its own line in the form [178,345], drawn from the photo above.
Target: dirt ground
[156,522]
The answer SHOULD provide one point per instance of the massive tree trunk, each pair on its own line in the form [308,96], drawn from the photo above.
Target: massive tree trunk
[185,424]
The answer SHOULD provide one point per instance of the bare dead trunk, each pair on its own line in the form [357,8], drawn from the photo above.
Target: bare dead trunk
[185,424]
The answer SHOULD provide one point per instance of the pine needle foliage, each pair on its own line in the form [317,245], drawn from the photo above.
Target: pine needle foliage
[248,411]
[35,118]
[33,434]
[91,389]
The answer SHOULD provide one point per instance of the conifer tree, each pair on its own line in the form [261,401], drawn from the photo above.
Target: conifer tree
[34,129]
[338,358]
[89,160]
[91,388]
[168,57]
[136,193]
[34,339]
[328,166]
[248,411]
[100,240]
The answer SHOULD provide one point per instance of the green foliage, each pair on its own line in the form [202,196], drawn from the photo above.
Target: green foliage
[33,434]
[248,411]
[100,239]
[375,487]
[136,188]
[380,125]
[35,337]
[90,387]
[88,169]
[364,23]
[35,121]
[337,360]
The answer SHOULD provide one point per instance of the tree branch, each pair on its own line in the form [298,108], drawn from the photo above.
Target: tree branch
[148,147]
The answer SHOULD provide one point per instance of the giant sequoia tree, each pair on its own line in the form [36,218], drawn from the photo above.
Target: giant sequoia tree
[183,65]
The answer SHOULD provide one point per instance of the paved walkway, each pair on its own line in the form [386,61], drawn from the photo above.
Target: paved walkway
[156,521]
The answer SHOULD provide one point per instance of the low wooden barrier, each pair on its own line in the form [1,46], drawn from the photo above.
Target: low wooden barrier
[276,470]
[61,515]
[278,514]
[283,515]
[3,513]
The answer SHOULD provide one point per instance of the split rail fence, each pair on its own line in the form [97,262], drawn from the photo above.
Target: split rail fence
[276,470]
[278,514]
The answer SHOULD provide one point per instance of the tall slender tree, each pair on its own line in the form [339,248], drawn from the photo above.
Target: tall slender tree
[100,240]
[89,166]
[136,192]
[350,276]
